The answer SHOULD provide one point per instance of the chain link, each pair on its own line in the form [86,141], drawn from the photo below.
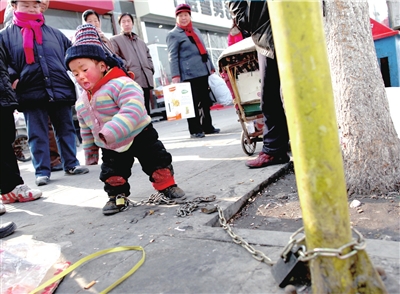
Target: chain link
[159,198]
[189,206]
[303,255]
[257,254]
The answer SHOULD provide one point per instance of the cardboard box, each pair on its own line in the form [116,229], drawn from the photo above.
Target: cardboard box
[249,87]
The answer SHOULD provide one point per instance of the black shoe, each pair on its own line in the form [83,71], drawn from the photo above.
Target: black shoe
[198,135]
[214,131]
[112,207]
[173,192]
[7,229]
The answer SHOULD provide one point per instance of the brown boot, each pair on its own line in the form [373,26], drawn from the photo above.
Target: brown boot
[173,192]
[115,204]
[264,159]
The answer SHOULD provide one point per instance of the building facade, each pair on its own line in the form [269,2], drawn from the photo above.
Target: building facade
[153,19]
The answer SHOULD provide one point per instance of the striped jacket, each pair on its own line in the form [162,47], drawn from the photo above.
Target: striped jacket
[111,115]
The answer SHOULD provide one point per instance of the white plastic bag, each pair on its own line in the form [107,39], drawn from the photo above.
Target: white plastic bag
[220,90]
[24,263]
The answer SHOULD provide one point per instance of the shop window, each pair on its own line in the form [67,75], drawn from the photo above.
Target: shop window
[68,21]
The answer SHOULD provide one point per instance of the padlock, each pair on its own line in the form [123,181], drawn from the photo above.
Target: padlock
[285,269]
[120,201]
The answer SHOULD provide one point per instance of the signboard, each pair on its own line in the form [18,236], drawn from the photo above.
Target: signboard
[178,101]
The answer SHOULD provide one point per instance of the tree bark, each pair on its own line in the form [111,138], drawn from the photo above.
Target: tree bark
[370,146]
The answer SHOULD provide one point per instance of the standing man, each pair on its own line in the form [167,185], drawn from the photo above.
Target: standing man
[253,16]
[35,56]
[136,56]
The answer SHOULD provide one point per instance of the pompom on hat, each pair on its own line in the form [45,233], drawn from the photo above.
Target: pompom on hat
[88,44]
[183,8]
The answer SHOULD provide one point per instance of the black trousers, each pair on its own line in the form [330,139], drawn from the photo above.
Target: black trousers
[146,94]
[202,122]
[10,175]
[276,136]
[146,147]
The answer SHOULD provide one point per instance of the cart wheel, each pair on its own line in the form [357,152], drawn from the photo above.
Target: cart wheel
[248,147]
[21,148]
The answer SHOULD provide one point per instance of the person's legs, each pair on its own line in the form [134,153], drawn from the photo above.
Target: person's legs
[76,125]
[146,94]
[204,106]
[61,118]
[115,172]
[38,133]
[55,159]
[156,162]
[10,174]
[275,136]
[194,122]
[12,185]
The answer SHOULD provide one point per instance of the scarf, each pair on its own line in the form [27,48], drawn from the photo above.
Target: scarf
[191,33]
[113,73]
[31,28]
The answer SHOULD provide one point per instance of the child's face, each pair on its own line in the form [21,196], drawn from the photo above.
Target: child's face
[87,71]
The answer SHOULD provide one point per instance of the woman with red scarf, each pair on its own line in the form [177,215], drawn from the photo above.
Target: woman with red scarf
[35,55]
[189,62]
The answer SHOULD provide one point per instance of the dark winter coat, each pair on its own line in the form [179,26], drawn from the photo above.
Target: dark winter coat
[184,57]
[7,94]
[46,80]
[253,16]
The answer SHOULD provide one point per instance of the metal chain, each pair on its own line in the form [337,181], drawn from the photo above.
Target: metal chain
[189,206]
[159,198]
[257,254]
[304,255]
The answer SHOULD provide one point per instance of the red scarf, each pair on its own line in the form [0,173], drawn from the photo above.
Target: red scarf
[31,28]
[190,33]
[113,73]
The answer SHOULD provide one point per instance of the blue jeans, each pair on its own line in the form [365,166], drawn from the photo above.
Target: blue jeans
[38,129]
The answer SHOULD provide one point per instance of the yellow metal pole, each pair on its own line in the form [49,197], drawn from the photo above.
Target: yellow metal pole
[307,90]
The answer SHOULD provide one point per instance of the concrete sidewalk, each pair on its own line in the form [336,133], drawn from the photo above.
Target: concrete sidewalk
[183,254]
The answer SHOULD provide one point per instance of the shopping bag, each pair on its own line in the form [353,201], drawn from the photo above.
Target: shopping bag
[178,101]
[220,90]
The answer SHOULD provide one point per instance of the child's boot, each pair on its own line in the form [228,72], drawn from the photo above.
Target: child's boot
[115,204]
[173,192]
[164,182]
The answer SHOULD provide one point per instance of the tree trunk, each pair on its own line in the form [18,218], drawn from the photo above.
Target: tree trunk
[370,146]
[307,91]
